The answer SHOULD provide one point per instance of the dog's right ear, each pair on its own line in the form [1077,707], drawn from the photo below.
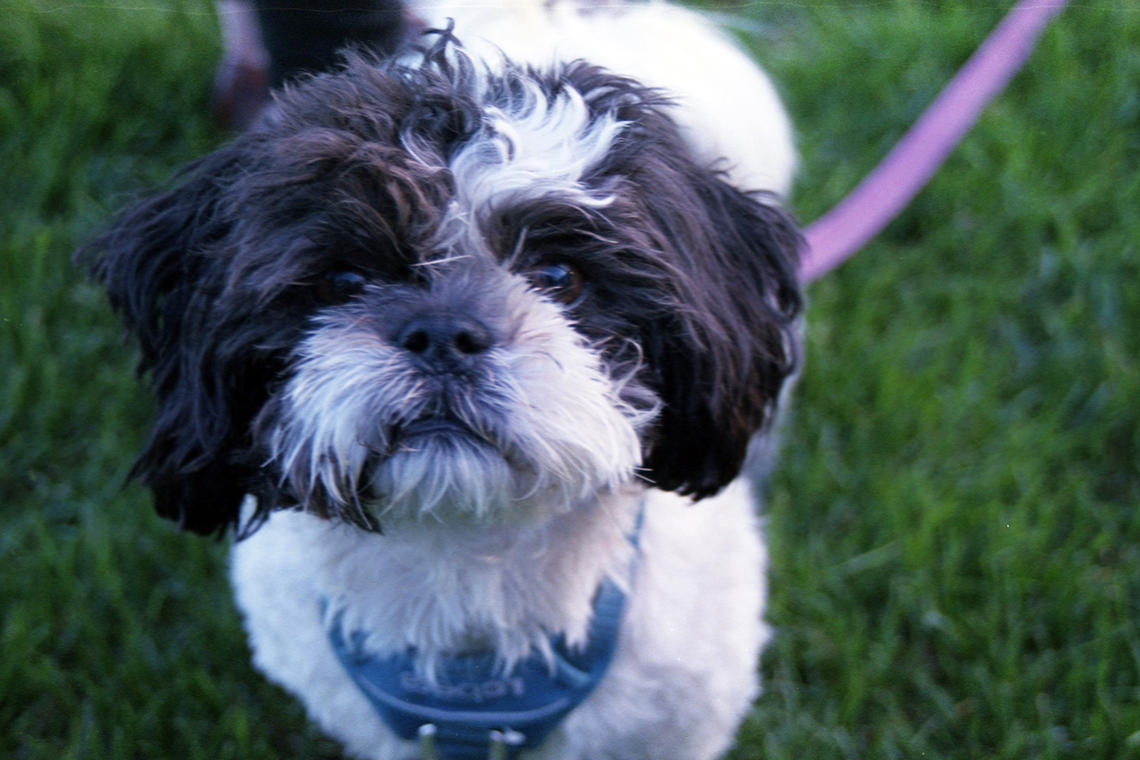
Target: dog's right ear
[162,266]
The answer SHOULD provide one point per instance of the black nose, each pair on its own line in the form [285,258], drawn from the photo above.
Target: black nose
[445,341]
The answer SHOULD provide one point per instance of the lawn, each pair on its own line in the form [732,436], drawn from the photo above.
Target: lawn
[955,524]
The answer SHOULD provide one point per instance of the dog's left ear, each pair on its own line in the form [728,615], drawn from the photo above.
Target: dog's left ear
[721,364]
[160,264]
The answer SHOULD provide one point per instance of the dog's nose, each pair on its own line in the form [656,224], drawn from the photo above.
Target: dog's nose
[445,341]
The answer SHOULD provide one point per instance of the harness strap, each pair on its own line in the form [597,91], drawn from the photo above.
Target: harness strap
[473,696]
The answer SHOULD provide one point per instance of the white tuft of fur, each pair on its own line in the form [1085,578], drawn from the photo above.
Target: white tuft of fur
[727,107]
[533,148]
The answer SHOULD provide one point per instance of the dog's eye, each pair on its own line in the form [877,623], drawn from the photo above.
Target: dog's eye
[339,285]
[560,282]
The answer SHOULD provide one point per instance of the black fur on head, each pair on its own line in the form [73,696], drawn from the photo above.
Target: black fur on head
[221,276]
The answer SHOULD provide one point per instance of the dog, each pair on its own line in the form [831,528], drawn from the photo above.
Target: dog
[452,341]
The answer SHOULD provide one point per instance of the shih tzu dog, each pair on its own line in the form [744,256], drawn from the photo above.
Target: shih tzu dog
[453,341]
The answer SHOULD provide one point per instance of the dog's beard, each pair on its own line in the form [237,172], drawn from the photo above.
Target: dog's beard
[538,425]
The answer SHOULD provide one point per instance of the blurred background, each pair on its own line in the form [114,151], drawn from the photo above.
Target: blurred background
[955,523]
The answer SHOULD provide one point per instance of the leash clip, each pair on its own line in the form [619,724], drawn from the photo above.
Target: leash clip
[502,742]
[426,734]
[499,743]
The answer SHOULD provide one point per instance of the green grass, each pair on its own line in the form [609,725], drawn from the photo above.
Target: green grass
[955,527]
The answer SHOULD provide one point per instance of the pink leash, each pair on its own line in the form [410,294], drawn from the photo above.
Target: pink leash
[897,179]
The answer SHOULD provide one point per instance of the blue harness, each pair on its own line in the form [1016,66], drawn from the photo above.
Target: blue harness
[472,699]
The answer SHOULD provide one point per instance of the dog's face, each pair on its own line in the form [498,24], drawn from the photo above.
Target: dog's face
[443,291]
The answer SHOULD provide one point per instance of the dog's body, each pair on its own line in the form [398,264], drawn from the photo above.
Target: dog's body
[510,316]
[684,671]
